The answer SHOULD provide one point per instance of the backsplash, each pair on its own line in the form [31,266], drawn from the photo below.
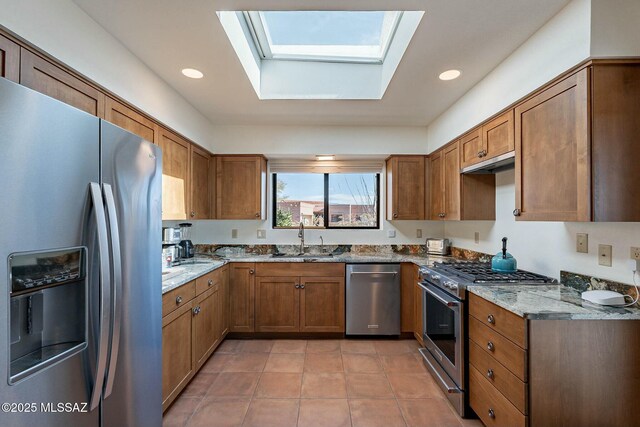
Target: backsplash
[582,282]
[312,249]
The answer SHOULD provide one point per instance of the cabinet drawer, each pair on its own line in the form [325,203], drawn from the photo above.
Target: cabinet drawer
[491,406]
[499,376]
[178,297]
[497,318]
[281,269]
[504,351]
[208,281]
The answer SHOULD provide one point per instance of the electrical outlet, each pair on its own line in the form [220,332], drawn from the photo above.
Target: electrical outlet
[419,233]
[635,253]
[391,233]
[582,243]
[234,233]
[262,234]
[604,255]
[476,237]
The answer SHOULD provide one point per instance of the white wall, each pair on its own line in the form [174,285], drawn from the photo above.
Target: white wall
[547,247]
[292,140]
[62,29]
[614,28]
[560,44]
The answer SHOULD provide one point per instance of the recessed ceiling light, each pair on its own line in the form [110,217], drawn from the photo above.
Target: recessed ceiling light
[192,73]
[450,75]
[326,157]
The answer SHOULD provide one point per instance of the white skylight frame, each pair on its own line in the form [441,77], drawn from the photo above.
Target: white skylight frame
[364,54]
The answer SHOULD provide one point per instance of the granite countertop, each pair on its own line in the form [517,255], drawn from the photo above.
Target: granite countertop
[201,265]
[550,302]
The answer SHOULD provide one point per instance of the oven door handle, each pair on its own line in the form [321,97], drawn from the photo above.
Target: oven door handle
[447,302]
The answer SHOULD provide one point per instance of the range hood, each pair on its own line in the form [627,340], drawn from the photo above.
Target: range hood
[496,164]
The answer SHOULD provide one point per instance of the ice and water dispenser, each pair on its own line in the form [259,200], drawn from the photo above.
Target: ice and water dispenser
[48,309]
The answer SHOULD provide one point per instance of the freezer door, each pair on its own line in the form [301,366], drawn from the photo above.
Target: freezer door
[131,170]
[49,153]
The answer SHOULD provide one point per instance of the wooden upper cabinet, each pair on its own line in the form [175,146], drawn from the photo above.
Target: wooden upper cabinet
[322,304]
[451,169]
[437,185]
[406,188]
[200,184]
[277,304]
[471,148]
[9,59]
[553,177]
[241,297]
[176,188]
[498,136]
[241,187]
[615,148]
[41,75]
[128,119]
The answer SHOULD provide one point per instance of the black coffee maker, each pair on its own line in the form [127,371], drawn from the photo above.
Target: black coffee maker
[186,246]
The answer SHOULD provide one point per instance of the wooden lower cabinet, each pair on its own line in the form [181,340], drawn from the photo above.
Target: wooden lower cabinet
[178,361]
[322,304]
[407,306]
[194,323]
[241,297]
[277,304]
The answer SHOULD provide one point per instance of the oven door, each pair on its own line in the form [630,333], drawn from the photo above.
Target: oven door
[443,334]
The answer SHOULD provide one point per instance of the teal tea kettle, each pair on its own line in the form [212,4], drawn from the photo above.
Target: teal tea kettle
[504,262]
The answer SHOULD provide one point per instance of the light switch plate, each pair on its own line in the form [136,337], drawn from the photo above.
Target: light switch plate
[262,234]
[391,233]
[476,237]
[419,233]
[582,243]
[234,233]
[604,255]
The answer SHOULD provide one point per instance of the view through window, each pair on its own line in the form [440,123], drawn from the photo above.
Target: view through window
[349,200]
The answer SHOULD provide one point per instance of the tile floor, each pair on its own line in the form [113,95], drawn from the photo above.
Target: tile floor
[317,383]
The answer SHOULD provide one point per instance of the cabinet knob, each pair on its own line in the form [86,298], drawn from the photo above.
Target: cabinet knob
[516,212]
[196,310]
[178,299]
[258,215]
[297,286]
[193,214]
[251,271]
[491,319]
[492,414]
[301,286]
[479,154]
[442,215]
[490,373]
[210,282]
[490,346]
[395,215]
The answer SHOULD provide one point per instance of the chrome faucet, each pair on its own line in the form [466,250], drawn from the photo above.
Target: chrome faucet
[301,236]
[321,244]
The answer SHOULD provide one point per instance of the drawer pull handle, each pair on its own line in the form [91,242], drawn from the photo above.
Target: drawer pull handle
[491,319]
[491,413]
[179,300]
[490,373]
[210,282]
[490,346]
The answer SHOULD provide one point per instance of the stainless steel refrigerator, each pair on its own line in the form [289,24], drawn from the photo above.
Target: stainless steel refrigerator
[80,268]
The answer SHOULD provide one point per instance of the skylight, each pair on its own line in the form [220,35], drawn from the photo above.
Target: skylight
[326,36]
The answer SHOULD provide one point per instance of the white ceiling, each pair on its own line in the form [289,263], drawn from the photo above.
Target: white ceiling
[470,35]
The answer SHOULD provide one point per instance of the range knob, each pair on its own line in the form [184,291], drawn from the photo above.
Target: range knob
[435,277]
[454,286]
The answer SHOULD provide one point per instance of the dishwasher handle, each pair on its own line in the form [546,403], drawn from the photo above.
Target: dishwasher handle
[374,272]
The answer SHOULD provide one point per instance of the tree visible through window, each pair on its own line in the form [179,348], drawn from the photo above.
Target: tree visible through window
[347,200]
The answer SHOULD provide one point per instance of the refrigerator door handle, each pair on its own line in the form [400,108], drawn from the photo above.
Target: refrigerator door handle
[116,287]
[103,337]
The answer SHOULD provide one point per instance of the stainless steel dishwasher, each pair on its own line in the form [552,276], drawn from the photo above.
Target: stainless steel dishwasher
[373,299]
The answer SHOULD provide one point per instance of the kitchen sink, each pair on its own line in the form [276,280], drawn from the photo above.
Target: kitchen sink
[305,255]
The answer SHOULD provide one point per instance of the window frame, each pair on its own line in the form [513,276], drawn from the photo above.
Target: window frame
[274,206]
[256,26]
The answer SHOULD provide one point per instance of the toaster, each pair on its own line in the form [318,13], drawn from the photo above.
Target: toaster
[438,246]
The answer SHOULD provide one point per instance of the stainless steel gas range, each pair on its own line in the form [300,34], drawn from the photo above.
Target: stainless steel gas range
[444,291]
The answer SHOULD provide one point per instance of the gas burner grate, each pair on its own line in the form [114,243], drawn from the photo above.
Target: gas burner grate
[480,272]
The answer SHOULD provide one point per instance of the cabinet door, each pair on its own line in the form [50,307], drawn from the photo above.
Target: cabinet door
[470,148]
[9,59]
[497,136]
[277,304]
[241,297]
[225,301]
[405,188]
[123,116]
[200,195]
[241,187]
[175,175]
[406,296]
[206,324]
[418,310]
[40,75]
[552,153]
[177,352]
[322,304]
[451,166]
[437,186]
